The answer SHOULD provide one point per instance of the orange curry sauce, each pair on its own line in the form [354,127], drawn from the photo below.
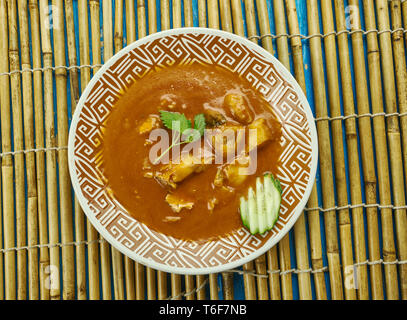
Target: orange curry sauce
[190,90]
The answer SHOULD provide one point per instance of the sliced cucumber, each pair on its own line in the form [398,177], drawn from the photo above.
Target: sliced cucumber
[253,217]
[260,212]
[244,211]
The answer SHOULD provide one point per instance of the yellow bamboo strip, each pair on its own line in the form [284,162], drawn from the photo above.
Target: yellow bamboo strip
[356,195]
[401,77]
[226,17]
[128,263]
[189,287]
[39,143]
[176,286]
[381,148]
[201,294]
[340,173]
[313,216]
[304,280]
[400,68]
[152,17]
[130,21]
[141,19]
[213,286]
[188,13]
[393,137]
[274,274]
[202,13]
[1,246]
[79,216]
[32,199]
[165,15]
[53,270]
[15,83]
[176,14]
[96,57]
[237,15]
[140,285]
[213,14]
[404,9]
[151,284]
[264,23]
[92,236]
[7,163]
[325,156]
[68,272]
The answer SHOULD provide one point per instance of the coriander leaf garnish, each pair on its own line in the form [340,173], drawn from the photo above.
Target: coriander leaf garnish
[175,121]
[178,123]
[199,123]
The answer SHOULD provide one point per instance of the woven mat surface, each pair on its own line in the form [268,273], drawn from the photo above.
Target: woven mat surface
[349,56]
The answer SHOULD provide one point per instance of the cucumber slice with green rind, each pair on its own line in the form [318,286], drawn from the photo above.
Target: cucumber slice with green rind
[253,218]
[244,211]
[260,212]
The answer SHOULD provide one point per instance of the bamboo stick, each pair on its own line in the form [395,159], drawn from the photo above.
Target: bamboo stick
[313,215]
[92,236]
[237,15]
[79,216]
[19,184]
[176,14]
[152,17]
[393,137]
[340,173]
[96,57]
[32,199]
[368,165]
[200,294]
[213,14]
[130,21]
[389,253]
[202,13]
[188,14]
[141,19]
[1,245]
[264,24]
[404,10]
[39,143]
[151,284]
[300,235]
[401,77]
[189,287]
[326,158]
[165,15]
[68,274]
[53,270]
[7,163]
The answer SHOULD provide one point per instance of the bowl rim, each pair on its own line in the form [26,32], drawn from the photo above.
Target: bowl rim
[183,270]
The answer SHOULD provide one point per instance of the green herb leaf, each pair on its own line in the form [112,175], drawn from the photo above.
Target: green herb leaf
[199,123]
[175,121]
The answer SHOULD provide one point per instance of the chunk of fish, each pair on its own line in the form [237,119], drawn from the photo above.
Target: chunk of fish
[152,122]
[238,108]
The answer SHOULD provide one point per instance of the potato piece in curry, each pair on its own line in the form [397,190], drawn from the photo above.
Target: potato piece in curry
[191,197]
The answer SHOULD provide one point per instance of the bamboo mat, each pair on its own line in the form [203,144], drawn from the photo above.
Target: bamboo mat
[348,56]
